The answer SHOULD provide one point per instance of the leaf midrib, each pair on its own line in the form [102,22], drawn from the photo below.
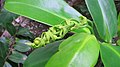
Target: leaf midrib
[118,54]
[37,8]
[79,49]
[103,14]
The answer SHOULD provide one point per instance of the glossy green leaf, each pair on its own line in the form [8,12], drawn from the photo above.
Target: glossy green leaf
[104,15]
[80,50]
[118,42]
[49,11]
[17,57]
[4,40]
[40,56]
[82,30]
[25,32]
[6,17]
[21,46]
[110,55]
[3,54]
[10,28]
[7,65]
[118,25]
[3,51]
[119,19]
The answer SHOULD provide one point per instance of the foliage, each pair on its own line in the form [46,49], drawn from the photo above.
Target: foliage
[118,25]
[6,19]
[80,50]
[58,11]
[41,56]
[110,55]
[103,13]
[3,51]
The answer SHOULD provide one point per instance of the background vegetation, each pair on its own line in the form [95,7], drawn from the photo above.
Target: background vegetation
[93,43]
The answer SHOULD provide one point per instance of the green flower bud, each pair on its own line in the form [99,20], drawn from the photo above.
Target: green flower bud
[36,42]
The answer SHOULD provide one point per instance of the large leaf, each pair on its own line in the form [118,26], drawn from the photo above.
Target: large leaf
[110,55]
[50,11]
[105,17]
[80,50]
[40,56]
[118,25]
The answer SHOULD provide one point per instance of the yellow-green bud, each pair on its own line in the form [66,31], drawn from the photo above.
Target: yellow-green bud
[36,41]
